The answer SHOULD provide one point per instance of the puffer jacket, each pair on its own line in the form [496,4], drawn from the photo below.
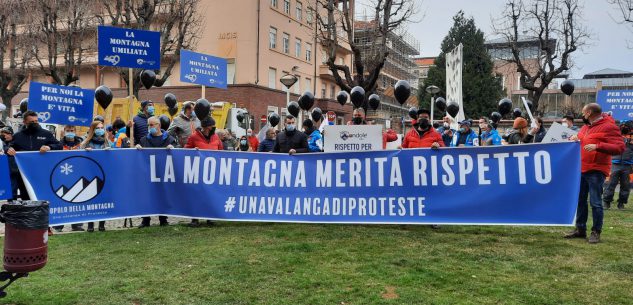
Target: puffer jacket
[608,139]
[182,127]
[413,140]
[471,139]
[140,127]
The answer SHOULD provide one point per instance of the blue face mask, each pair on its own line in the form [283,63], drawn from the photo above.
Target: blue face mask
[99,132]
[462,130]
[150,110]
[153,130]
[243,142]
[70,135]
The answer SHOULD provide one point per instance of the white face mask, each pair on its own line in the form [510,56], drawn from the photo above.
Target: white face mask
[565,124]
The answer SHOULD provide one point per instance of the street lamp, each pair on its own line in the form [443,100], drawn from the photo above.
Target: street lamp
[432,90]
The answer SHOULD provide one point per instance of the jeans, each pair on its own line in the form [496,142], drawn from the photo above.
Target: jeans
[619,174]
[590,186]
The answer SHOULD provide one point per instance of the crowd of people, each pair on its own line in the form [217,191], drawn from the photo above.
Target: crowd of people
[600,139]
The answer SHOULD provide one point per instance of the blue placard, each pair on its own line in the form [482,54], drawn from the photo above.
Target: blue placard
[6,191]
[510,185]
[119,47]
[617,102]
[202,69]
[61,104]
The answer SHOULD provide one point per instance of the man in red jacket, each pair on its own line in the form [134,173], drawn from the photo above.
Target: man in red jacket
[423,134]
[599,139]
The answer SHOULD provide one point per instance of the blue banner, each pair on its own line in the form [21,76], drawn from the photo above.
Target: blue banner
[202,69]
[5,179]
[617,102]
[65,105]
[120,47]
[535,184]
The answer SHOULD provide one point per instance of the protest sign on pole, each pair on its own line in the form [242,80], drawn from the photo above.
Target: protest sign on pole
[203,69]
[65,105]
[619,103]
[337,138]
[558,133]
[128,48]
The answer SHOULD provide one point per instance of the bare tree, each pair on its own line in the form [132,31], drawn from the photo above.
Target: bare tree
[63,30]
[336,18]
[14,54]
[625,8]
[555,26]
[178,22]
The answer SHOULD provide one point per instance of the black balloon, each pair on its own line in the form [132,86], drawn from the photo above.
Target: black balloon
[103,95]
[341,97]
[374,101]
[24,105]
[316,114]
[357,95]
[306,101]
[164,122]
[202,109]
[440,104]
[516,113]
[148,77]
[273,119]
[293,108]
[567,87]
[402,91]
[505,106]
[170,100]
[240,117]
[452,108]
[159,82]
[495,117]
[413,113]
[172,111]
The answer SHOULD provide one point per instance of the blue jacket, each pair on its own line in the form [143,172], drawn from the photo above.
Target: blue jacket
[315,141]
[491,138]
[266,146]
[471,140]
[140,127]
[446,138]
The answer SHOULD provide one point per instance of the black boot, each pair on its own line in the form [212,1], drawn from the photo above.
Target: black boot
[91,227]
[194,223]
[576,233]
[101,226]
[77,227]
[607,205]
[144,223]
[594,238]
[620,205]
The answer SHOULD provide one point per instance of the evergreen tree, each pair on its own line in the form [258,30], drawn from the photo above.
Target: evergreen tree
[481,90]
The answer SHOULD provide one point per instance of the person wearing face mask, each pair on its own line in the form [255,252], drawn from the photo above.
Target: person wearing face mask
[252,139]
[140,120]
[205,137]
[97,139]
[155,138]
[620,170]
[184,124]
[465,136]
[315,140]
[242,144]
[568,121]
[520,134]
[600,138]
[6,134]
[268,144]
[291,140]
[358,117]
[422,135]
[539,131]
[120,139]
[446,131]
[32,137]
[489,135]
[70,140]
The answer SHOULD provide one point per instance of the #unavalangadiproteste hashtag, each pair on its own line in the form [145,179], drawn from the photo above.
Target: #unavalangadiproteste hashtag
[229,204]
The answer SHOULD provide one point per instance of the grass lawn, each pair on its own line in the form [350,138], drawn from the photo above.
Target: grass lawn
[261,263]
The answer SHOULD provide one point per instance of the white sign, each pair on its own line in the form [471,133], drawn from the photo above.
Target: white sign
[454,64]
[338,138]
[558,133]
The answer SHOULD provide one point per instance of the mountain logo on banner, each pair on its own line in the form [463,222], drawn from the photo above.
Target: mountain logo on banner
[77,179]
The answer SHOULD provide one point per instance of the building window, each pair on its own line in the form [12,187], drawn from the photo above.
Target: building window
[297,85]
[332,89]
[324,57]
[309,16]
[287,7]
[298,48]
[286,43]
[308,51]
[273,3]
[323,90]
[298,10]
[272,38]
[272,78]
[308,85]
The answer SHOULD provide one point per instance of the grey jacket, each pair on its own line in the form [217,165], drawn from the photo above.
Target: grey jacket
[182,127]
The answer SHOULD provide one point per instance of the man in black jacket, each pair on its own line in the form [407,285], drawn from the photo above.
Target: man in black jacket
[620,171]
[156,138]
[32,137]
[291,140]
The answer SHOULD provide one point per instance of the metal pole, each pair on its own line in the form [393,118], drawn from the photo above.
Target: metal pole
[432,104]
[131,87]
[204,89]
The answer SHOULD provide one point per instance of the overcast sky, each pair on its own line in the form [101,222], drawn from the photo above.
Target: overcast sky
[607,50]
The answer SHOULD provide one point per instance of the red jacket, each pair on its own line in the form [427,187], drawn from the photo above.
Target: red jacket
[253,142]
[388,136]
[606,135]
[413,139]
[197,140]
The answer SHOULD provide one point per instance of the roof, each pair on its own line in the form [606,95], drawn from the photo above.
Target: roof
[424,61]
[609,71]
[523,40]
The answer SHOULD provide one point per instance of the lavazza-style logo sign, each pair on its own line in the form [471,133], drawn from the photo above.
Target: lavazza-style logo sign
[77,179]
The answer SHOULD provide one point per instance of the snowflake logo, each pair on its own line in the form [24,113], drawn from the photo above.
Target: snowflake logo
[66,169]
